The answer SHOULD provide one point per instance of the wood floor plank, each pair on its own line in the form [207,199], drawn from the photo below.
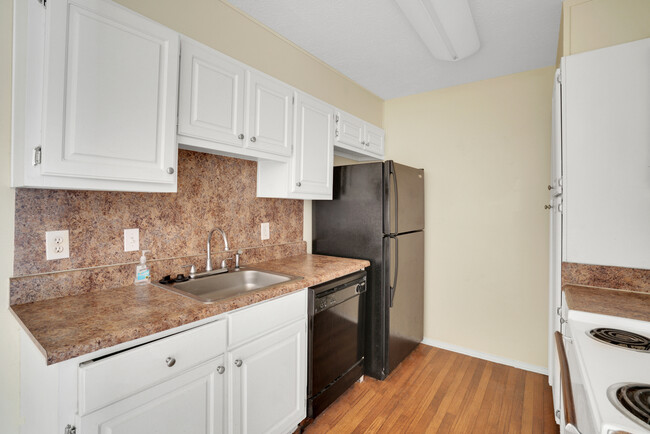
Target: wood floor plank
[435,390]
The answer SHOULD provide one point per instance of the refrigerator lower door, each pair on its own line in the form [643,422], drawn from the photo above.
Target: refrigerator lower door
[405,294]
[404,201]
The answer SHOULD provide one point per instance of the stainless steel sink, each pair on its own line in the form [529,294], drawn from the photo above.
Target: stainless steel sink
[217,287]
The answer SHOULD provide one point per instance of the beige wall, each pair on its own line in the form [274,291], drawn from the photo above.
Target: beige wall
[592,24]
[211,22]
[485,149]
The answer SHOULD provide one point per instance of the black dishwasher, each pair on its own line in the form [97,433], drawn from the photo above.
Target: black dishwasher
[336,312]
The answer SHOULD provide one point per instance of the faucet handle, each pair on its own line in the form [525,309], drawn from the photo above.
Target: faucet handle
[191,267]
[223,263]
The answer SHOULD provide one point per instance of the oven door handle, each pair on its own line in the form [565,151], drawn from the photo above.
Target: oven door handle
[567,389]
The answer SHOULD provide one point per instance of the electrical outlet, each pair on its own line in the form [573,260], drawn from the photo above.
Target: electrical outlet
[131,240]
[265,231]
[57,245]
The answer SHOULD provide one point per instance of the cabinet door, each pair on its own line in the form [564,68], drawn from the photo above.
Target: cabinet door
[192,402]
[312,160]
[110,94]
[374,139]
[606,137]
[270,117]
[211,95]
[269,385]
[349,130]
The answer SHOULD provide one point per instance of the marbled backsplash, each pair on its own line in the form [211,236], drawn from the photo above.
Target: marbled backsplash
[629,279]
[213,191]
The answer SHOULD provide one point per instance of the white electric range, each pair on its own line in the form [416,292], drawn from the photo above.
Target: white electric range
[608,359]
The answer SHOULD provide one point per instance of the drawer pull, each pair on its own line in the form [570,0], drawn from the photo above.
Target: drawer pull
[238,363]
[170,361]
[221,369]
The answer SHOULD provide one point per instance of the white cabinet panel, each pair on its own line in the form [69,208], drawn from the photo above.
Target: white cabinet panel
[192,402]
[313,157]
[269,382]
[211,95]
[357,139]
[110,94]
[374,139]
[607,140]
[350,130]
[111,378]
[270,114]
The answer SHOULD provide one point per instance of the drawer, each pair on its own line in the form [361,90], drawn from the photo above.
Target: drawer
[112,378]
[262,318]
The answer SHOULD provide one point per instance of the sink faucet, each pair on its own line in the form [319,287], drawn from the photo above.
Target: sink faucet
[208,266]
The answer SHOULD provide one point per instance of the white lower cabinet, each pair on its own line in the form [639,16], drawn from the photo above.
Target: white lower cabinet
[244,372]
[192,403]
[268,382]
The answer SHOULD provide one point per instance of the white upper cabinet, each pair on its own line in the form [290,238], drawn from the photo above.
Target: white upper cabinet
[312,161]
[606,142]
[211,97]
[357,139]
[109,100]
[270,114]
[350,130]
[374,139]
[308,175]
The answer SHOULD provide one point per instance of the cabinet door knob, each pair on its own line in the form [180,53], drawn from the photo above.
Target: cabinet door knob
[253,139]
[298,184]
[170,170]
[170,361]
[221,369]
[238,362]
[548,206]
[240,137]
[550,187]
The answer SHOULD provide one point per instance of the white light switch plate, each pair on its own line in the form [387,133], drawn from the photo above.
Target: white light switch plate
[57,245]
[265,231]
[131,240]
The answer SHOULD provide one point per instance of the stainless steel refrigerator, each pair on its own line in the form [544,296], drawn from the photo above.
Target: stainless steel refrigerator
[377,213]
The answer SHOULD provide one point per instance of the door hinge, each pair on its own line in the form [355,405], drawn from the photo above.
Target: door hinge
[293,100]
[559,77]
[336,132]
[42,2]
[70,429]
[337,118]
[37,156]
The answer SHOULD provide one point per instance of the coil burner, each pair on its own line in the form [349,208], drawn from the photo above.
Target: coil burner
[621,338]
[633,400]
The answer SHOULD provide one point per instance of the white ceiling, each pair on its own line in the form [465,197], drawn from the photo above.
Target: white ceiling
[371,42]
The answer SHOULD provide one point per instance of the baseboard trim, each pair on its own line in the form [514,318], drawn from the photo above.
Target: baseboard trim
[485,356]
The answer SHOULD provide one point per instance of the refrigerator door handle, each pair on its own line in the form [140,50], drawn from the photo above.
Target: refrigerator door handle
[395,210]
[393,287]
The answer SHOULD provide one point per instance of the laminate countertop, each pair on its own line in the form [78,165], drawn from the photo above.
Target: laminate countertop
[605,301]
[68,327]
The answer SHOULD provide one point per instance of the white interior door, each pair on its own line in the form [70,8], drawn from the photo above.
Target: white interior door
[211,95]
[269,387]
[606,96]
[191,403]
[314,152]
[270,115]
[111,94]
[349,130]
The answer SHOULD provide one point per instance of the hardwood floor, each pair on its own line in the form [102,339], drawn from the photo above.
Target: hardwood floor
[434,390]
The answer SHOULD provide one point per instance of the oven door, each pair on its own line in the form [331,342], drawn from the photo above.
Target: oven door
[576,417]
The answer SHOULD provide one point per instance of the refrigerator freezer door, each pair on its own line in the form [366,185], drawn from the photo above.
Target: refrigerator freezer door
[405,289]
[404,203]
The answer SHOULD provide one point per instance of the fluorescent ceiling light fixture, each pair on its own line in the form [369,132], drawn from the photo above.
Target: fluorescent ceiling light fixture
[445,26]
